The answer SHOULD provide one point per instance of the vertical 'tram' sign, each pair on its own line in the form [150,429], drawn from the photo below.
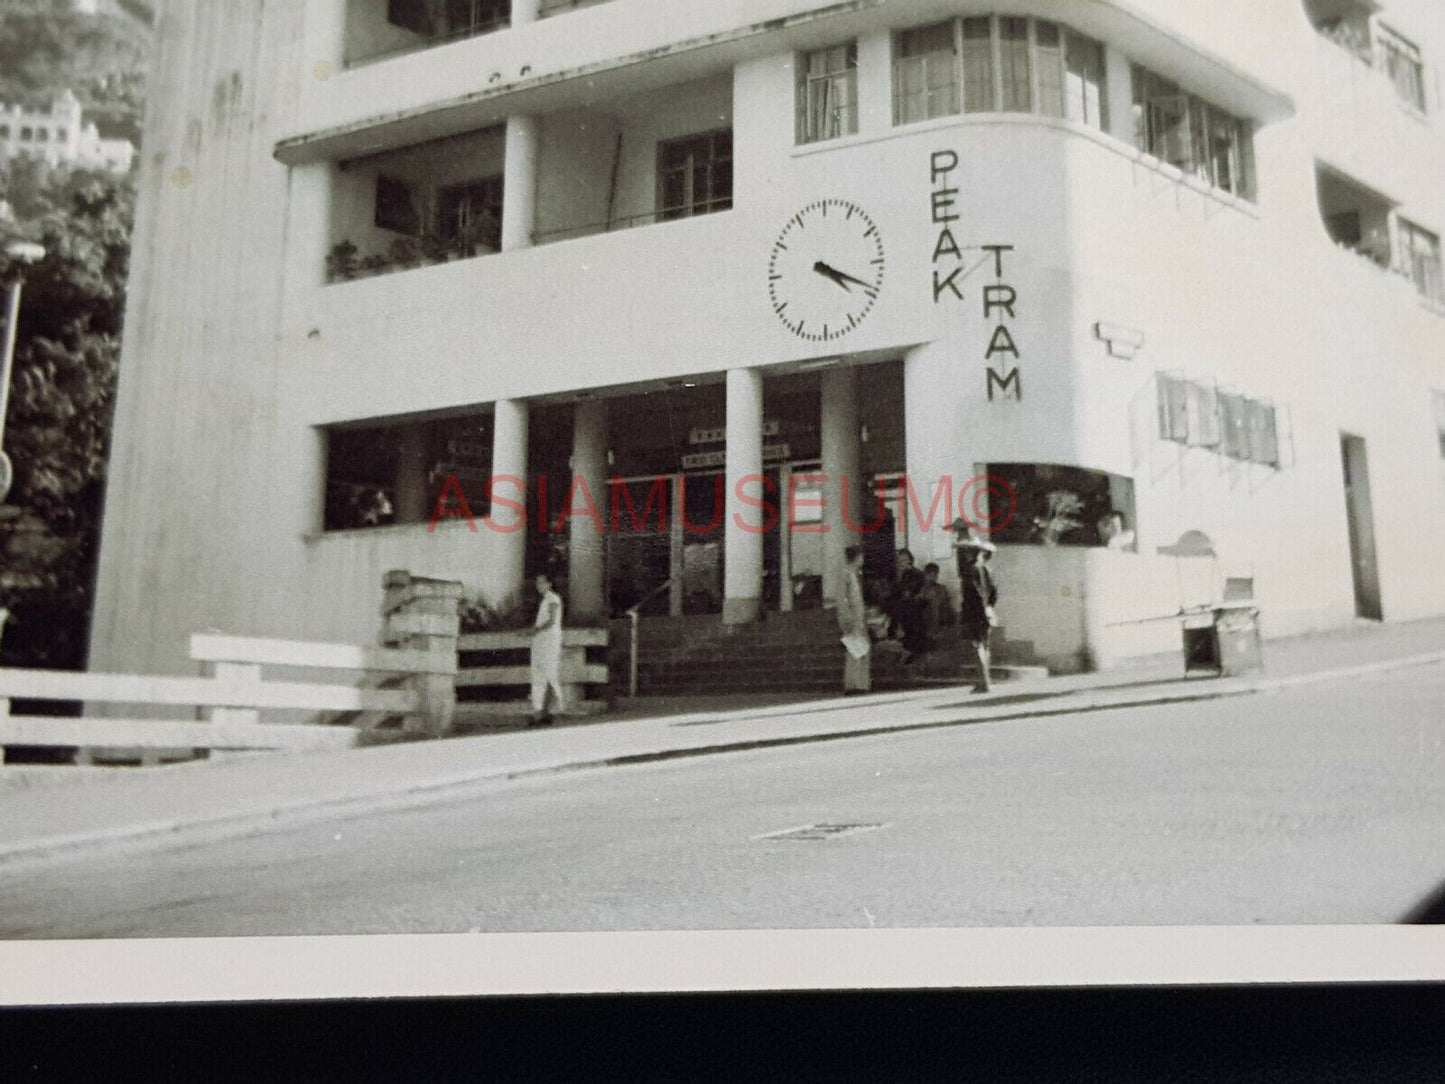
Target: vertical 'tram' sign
[1001,356]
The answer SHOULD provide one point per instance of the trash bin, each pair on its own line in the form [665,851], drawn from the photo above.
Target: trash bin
[1223,641]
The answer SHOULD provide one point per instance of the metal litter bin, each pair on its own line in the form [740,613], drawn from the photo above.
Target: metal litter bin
[1223,641]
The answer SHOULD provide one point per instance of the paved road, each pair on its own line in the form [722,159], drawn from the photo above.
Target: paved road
[1319,804]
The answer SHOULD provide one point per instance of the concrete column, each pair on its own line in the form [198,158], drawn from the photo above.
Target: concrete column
[587,544]
[509,480]
[325,31]
[524,11]
[875,82]
[411,476]
[519,183]
[840,466]
[420,614]
[930,404]
[1119,94]
[743,524]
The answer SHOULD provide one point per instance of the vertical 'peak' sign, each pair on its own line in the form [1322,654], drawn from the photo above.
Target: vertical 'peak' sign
[999,298]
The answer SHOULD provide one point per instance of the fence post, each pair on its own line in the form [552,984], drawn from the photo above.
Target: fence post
[420,614]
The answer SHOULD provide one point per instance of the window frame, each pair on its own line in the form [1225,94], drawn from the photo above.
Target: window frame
[1421,264]
[806,81]
[467,188]
[692,205]
[1193,133]
[1397,55]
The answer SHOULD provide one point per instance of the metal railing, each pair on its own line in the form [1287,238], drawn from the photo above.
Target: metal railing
[628,222]
[634,616]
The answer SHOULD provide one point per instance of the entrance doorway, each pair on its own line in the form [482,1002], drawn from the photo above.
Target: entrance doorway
[1364,565]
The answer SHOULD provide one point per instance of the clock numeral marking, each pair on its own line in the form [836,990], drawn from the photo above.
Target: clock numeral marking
[774,278]
[781,246]
[871,231]
[879,260]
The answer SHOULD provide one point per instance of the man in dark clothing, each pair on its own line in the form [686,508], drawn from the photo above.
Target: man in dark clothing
[906,607]
[977,597]
[936,606]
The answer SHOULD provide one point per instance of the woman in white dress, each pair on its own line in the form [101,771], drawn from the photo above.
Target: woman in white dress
[547,653]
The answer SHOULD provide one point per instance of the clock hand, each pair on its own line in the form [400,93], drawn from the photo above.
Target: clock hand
[842,278]
[832,273]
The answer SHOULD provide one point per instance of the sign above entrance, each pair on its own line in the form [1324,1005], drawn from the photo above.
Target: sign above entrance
[719,434]
[772,453]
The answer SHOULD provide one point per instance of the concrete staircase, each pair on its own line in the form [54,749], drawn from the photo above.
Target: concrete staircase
[797,652]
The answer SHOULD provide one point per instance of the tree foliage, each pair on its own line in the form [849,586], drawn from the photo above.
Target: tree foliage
[46,46]
[62,400]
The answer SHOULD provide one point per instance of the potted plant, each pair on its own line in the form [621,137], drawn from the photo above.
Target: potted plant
[341,261]
[1062,508]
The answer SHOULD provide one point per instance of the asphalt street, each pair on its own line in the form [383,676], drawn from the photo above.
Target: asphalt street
[1319,804]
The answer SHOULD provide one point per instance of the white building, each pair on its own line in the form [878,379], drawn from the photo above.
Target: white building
[1171,264]
[60,135]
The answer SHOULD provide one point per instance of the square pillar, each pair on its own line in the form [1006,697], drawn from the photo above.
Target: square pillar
[587,541]
[839,432]
[930,408]
[1118,95]
[519,183]
[524,11]
[875,82]
[509,481]
[743,524]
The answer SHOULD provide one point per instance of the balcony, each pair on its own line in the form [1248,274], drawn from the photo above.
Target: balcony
[633,161]
[378,29]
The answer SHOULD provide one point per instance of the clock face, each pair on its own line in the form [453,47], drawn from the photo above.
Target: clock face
[826,270]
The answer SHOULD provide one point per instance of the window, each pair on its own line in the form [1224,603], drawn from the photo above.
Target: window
[1188,133]
[42,135]
[828,93]
[4,131]
[396,207]
[413,15]
[1196,414]
[1013,58]
[469,215]
[925,74]
[468,17]
[398,472]
[1083,80]
[695,175]
[1438,398]
[1419,258]
[27,133]
[978,65]
[1402,64]
[1064,506]
[987,64]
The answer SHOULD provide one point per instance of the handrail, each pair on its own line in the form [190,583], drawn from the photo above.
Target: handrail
[634,615]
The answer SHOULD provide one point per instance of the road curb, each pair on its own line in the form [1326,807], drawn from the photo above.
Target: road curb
[241,823]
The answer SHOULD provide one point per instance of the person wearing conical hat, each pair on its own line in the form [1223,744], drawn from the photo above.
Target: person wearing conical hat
[978,594]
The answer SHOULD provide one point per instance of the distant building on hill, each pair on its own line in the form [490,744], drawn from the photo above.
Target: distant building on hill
[60,135]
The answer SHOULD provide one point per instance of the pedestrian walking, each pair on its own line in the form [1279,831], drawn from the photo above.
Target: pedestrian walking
[547,654]
[977,597]
[853,626]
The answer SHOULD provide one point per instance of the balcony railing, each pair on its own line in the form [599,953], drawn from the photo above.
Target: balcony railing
[664,214]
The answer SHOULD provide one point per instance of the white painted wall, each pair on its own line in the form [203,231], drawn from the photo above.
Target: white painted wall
[232,364]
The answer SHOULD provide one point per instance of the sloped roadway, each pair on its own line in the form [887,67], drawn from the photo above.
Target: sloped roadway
[1318,804]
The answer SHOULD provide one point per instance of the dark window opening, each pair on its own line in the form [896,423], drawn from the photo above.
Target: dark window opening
[470,215]
[396,207]
[695,175]
[1064,506]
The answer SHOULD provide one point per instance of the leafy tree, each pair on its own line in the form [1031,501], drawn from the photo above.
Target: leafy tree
[46,46]
[62,400]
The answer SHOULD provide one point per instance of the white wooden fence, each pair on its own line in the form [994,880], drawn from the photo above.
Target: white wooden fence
[232,697]
[577,672]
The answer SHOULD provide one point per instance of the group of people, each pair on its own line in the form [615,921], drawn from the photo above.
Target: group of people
[918,605]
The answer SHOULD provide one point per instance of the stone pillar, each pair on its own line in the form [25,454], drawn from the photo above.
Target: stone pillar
[524,11]
[840,467]
[930,404]
[420,614]
[587,545]
[875,82]
[509,481]
[411,476]
[1118,94]
[743,524]
[519,183]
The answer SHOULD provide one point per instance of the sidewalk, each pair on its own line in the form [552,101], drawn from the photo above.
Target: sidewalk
[237,797]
